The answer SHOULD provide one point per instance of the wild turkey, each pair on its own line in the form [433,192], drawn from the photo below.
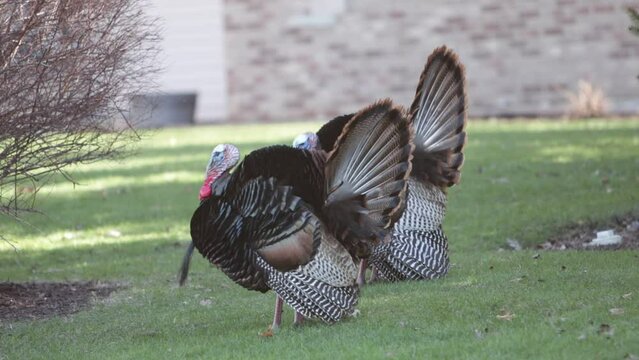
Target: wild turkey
[293,220]
[418,247]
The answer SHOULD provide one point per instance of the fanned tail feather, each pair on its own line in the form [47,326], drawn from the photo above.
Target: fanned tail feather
[438,114]
[330,131]
[366,176]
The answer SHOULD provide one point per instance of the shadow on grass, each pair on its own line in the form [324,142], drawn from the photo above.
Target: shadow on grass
[154,161]
[121,261]
[516,183]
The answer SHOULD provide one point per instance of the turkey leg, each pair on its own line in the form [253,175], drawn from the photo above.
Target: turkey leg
[277,318]
[374,275]
[299,319]
[361,277]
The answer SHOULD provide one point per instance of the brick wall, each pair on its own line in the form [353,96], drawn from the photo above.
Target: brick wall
[315,59]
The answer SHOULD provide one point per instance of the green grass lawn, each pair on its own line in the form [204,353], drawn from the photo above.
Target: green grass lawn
[521,180]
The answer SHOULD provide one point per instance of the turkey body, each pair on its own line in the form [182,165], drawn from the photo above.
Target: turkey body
[272,240]
[293,221]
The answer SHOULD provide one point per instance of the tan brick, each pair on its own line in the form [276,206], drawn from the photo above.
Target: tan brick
[521,56]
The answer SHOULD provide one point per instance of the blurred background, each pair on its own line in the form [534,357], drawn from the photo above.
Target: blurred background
[233,61]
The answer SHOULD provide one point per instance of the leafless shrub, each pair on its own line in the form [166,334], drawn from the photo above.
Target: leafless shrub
[67,68]
[634,18]
[588,102]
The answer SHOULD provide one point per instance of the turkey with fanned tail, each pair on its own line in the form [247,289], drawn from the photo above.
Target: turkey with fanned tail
[418,247]
[294,220]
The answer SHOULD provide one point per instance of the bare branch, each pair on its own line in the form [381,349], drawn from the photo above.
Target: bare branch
[67,69]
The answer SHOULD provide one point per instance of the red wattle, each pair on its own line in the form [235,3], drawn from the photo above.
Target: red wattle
[205,190]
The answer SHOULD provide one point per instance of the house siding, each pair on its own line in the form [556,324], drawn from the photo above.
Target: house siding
[192,58]
[296,60]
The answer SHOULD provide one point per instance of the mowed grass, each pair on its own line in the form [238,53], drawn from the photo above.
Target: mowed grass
[521,180]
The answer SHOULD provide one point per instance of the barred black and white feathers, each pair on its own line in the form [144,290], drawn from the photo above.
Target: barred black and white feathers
[418,248]
[413,255]
[324,288]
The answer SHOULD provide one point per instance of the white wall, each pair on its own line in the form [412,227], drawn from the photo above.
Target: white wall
[193,53]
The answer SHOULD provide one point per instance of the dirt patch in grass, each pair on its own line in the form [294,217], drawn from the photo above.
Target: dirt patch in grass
[39,300]
[576,236]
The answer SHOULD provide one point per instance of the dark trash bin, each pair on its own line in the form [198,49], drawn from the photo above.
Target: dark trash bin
[159,110]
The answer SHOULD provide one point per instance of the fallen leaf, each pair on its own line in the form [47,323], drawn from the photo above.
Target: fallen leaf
[267,333]
[479,334]
[536,256]
[582,337]
[630,356]
[206,302]
[505,315]
[627,296]
[616,311]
